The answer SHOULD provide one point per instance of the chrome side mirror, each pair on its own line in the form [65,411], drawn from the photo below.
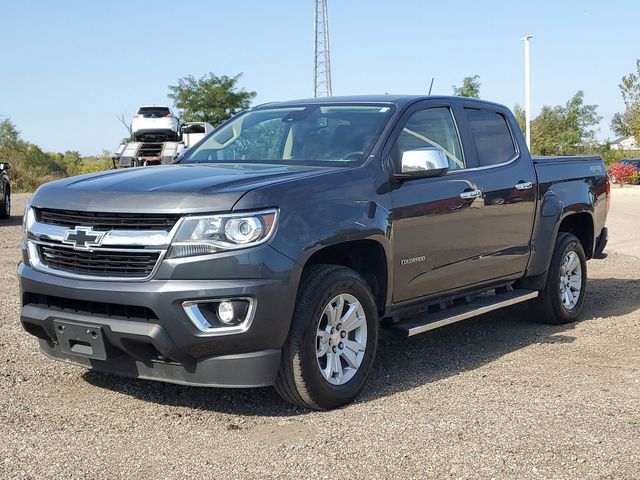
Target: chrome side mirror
[4,166]
[423,162]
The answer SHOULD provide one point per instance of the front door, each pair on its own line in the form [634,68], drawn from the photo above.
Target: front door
[433,225]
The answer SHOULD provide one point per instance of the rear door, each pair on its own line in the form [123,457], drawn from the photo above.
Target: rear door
[506,176]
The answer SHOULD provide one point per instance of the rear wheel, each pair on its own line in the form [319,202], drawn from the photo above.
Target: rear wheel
[332,342]
[561,300]
[5,205]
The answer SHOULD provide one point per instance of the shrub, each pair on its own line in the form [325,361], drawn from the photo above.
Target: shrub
[634,178]
[621,172]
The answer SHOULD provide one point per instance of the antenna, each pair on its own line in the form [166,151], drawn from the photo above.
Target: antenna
[431,86]
[321,51]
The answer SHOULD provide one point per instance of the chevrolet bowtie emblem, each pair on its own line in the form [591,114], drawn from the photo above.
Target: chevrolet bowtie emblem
[83,238]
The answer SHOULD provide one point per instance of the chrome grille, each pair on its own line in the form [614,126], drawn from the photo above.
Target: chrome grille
[106,221]
[99,263]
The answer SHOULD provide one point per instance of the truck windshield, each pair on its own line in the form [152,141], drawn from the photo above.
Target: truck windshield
[312,134]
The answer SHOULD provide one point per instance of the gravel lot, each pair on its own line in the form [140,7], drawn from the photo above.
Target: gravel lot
[493,397]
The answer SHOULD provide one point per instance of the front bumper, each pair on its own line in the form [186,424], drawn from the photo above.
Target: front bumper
[167,346]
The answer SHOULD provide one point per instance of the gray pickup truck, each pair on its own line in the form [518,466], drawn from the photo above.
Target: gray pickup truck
[273,251]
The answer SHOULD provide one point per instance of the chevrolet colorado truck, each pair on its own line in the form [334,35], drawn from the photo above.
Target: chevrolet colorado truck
[271,253]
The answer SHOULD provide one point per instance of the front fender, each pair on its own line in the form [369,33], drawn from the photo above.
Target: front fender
[320,212]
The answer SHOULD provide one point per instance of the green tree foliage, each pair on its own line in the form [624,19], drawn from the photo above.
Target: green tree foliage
[210,99]
[565,130]
[627,123]
[31,167]
[521,117]
[9,134]
[470,87]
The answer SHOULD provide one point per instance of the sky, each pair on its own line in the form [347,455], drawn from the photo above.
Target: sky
[68,69]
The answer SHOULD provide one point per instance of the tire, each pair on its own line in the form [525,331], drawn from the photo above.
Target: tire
[309,378]
[551,306]
[5,205]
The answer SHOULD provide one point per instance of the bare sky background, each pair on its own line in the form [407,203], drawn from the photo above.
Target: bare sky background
[69,68]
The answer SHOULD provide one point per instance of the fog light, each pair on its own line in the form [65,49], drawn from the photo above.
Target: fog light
[226,312]
[220,317]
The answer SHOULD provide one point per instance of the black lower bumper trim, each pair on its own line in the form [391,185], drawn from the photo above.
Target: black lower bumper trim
[143,350]
[246,370]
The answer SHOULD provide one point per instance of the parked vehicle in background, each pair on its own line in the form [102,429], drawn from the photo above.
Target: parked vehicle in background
[275,248]
[193,132]
[5,191]
[155,123]
[632,161]
[152,151]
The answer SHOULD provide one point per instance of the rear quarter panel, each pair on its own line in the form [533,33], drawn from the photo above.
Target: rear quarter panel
[566,186]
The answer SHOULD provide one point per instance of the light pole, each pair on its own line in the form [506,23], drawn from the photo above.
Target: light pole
[527,89]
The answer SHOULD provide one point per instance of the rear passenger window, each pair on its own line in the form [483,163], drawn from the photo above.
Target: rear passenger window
[492,136]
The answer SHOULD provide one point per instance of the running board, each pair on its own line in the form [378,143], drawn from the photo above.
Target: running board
[478,306]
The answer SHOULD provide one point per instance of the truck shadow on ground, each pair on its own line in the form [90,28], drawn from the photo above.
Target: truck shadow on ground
[12,221]
[403,364]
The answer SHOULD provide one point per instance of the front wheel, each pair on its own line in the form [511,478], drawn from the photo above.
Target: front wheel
[333,339]
[5,205]
[561,300]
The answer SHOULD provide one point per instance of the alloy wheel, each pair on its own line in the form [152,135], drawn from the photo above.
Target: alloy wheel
[341,339]
[570,280]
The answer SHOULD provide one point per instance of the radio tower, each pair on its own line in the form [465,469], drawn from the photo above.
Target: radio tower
[321,52]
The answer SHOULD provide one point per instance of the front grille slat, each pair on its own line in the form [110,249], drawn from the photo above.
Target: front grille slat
[107,221]
[96,261]
[99,263]
[100,309]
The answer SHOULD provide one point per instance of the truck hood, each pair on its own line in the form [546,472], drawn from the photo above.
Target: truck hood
[166,189]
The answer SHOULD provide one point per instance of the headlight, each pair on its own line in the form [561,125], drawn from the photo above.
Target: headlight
[217,233]
[27,221]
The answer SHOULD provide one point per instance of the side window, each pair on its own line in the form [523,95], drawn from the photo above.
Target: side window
[432,127]
[492,136]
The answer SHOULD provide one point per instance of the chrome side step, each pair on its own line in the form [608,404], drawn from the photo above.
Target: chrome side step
[478,306]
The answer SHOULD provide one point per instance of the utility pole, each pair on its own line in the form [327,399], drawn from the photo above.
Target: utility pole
[527,89]
[321,51]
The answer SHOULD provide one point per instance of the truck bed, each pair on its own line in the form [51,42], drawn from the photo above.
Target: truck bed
[566,158]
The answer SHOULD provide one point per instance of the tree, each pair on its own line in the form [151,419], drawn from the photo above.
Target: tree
[470,87]
[210,99]
[9,134]
[521,116]
[563,130]
[127,125]
[627,123]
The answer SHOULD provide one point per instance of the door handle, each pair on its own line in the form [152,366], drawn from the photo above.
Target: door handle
[470,194]
[524,185]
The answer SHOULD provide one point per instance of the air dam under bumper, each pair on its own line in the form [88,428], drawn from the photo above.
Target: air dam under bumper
[167,348]
[244,370]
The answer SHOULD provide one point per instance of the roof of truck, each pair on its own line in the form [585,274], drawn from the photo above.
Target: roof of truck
[399,100]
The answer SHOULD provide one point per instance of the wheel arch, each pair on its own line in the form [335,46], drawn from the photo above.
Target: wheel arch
[556,217]
[581,225]
[368,257]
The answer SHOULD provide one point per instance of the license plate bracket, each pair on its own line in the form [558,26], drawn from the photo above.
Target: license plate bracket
[80,339]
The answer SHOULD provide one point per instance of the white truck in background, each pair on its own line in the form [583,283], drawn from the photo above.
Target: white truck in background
[144,153]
